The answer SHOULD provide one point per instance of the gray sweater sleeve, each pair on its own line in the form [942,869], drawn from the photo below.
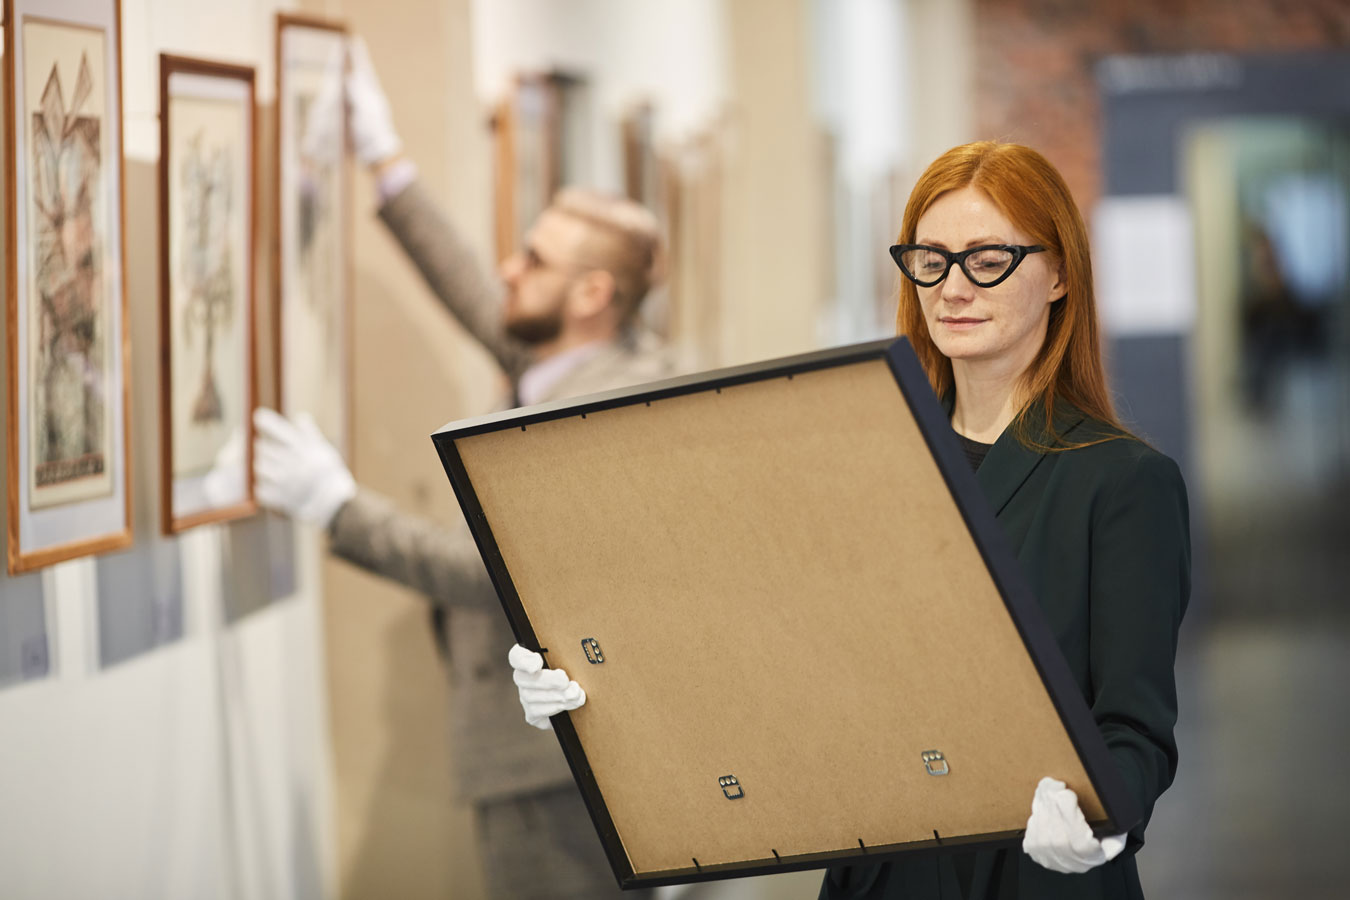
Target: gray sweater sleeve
[453,273]
[440,562]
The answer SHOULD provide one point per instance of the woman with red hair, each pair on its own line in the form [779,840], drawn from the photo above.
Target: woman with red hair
[997,300]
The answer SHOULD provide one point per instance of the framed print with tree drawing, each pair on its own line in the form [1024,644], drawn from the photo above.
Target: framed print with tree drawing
[67,438]
[207,382]
[313,337]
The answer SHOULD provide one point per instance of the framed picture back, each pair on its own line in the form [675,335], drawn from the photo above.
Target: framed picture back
[207,374]
[802,637]
[313,324]
[66,345]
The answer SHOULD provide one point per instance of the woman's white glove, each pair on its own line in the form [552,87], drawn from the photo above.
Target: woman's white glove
[370,126]
[1058,835]
[296,471]
[543,692]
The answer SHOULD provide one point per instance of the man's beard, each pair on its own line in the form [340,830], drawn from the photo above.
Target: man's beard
[536,329]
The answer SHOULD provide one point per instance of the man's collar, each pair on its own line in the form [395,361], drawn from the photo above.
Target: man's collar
[537,382]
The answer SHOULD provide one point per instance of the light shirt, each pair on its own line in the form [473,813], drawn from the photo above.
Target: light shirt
[543,376]
[395,180]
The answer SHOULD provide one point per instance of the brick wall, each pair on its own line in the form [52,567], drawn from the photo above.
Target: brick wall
[1035,60]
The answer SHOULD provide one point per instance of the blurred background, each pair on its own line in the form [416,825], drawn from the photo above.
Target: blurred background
[231,714]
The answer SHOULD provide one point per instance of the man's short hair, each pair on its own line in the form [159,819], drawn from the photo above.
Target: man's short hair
[626,241]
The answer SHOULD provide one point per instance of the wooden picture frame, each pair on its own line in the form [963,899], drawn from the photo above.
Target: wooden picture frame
[527,131]
[68,337]
[312,275]
[641,167]
[652,179]
[692,179]
[208,377]
[804,638]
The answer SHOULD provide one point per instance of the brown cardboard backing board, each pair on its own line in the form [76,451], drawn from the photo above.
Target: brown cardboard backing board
[785,590]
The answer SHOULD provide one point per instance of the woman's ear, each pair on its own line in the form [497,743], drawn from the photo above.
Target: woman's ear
[1061,285]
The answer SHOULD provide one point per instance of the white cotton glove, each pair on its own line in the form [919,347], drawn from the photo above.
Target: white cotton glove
[543,692]
[321,132]
[1059,837]
[227,480]
[296,471]
[370,126]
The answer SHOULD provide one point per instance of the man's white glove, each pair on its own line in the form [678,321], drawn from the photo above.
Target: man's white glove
[370,125]
[1059,837]
[296,471]
[543,692]
[226,483]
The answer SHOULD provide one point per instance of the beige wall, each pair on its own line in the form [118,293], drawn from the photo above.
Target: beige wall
[199,767]
[942,61]
[775,188]
[399,831]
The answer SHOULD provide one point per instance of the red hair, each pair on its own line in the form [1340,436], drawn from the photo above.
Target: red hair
[1031,193]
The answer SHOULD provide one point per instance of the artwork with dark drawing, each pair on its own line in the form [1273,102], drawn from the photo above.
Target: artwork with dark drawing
[318,236]
[210,261]
[208,270]
[69,387]
[314,322]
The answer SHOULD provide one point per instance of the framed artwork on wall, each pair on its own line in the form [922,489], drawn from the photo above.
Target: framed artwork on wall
[648,178]
[67,336]
[207,348]
[538,133]
[313,319]
[641,174]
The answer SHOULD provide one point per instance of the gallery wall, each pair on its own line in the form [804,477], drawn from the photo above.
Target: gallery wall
[230,713]
[163,717]
[400,829]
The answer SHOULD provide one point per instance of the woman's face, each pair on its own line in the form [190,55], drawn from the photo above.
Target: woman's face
[1004,325]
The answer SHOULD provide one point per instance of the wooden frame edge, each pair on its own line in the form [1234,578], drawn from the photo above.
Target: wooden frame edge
[165,357]
[14,559]
[303,20]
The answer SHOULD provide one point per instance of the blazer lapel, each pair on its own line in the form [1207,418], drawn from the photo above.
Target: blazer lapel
[1010,463]
[1006,468]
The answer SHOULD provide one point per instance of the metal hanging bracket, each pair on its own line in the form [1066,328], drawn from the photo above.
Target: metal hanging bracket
[935,763]
[593,654]
[728,783]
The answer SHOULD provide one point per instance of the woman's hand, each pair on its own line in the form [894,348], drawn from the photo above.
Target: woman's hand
[1059,837]
[543,692]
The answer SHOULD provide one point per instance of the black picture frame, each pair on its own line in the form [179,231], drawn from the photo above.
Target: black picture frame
[1121,809]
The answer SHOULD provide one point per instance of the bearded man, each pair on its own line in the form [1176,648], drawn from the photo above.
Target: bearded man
[560,319]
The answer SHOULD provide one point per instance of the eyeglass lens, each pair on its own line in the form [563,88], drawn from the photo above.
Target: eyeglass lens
[981,267]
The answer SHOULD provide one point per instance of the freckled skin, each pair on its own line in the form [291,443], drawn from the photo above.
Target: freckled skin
[999,327]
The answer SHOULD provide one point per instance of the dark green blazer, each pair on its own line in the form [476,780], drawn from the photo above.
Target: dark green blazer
[1102,534]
